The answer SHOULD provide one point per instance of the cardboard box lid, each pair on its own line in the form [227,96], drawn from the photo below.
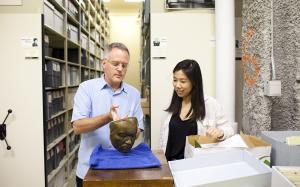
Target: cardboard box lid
[250,141]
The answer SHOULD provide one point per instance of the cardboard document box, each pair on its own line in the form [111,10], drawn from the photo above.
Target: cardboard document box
[256,146]
[49,14]
[282,154]
[234,168]
[73,33]
[287,176]
[58,22]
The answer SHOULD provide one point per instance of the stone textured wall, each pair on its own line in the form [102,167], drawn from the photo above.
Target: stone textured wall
[285,109]
[262,112]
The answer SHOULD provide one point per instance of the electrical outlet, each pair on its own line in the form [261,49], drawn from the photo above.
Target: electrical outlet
[273,88]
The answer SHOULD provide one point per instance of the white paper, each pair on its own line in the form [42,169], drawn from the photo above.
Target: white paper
[159,47]
[234,141]
[29,42]
[31,49]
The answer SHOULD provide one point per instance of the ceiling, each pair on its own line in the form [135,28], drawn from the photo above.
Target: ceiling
[119,6]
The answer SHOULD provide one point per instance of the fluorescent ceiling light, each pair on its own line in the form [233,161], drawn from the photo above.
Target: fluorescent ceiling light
[106,1]
[133,1]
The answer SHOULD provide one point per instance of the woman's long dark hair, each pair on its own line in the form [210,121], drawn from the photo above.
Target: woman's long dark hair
[192,70]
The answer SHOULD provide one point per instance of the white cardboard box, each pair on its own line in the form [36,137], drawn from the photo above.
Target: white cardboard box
[280,175]
[58,22]
[256,146]
[232,168]
[49,14]
[282,154]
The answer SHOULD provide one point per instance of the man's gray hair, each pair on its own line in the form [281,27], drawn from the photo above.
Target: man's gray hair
[117,45]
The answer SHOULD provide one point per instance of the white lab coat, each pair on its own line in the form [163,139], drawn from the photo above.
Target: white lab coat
[214,117]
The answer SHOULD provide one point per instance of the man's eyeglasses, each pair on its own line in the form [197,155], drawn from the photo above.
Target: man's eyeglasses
[116,64]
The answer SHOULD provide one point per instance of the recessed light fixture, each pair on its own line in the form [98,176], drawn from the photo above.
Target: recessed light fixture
[106,1]
[133,1]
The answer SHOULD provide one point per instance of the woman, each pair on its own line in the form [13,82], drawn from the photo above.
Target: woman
[190,112]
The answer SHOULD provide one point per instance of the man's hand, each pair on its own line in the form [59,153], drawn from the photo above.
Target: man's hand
[113,114]
[215,133]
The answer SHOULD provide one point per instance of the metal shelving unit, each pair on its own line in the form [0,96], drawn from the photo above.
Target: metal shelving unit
[75,32]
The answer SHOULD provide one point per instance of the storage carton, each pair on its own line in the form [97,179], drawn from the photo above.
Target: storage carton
[58,22]
[256,146]
[73,33]
[282,154]
[234,168]
[286,176]
[49,14]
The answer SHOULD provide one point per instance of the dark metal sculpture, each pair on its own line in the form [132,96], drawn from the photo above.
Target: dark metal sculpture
[123,133]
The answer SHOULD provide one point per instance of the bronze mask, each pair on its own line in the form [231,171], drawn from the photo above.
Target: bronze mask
[123,133]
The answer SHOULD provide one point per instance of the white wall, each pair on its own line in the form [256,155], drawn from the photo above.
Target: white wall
[126,29]
[189,35]
[21,91]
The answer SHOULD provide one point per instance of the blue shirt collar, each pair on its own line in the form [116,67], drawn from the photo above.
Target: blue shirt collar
[103,84]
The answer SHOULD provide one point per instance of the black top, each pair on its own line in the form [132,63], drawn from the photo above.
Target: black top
[178,130]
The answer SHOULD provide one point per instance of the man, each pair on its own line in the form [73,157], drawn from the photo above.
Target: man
[102,100]
[34,44]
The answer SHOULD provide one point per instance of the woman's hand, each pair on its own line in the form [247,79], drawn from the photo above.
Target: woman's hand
[215,133]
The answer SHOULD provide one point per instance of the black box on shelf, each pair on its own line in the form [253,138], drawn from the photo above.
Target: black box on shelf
[92,62]
[56,158]
[84,75]
[57,75]
[48,133]
[52,131]
[61,103]
[48,163]
[83,58]
[92,75]
[60,128]
[60,152]
[48,75]
[73,76]
[47,48]
[49,106]
[73,55]
[58,53]
[57,102]
[55,128]
[54,103]
[71,143]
